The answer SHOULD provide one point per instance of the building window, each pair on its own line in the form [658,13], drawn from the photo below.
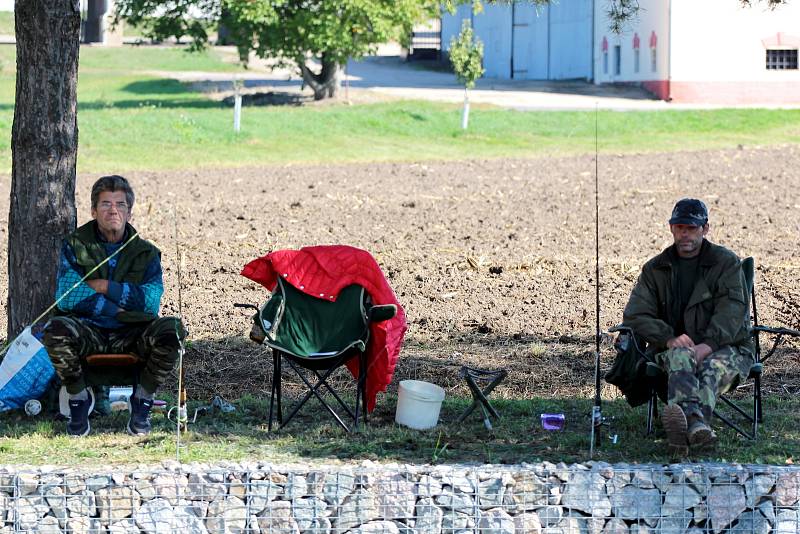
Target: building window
[781,59]
[617,60]
[653,63]
[605,62]
[636,60]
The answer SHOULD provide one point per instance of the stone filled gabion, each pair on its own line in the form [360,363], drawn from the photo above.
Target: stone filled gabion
[545,498]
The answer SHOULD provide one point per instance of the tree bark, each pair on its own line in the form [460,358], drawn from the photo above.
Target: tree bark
[326,83]
[44,146]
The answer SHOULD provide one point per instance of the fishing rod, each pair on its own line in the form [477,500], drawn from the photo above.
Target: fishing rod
[182,419]
[74,286]
[597,411]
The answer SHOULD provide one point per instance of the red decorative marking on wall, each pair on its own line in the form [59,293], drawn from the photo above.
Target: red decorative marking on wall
[653,39]
[604,46]
[785,92]
[781,40]
[636,41]
[660,88]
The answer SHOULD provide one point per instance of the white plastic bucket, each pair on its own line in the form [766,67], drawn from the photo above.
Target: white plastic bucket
[418,404]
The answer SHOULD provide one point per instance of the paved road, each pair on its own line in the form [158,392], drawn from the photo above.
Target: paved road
[388,76]
[391,77]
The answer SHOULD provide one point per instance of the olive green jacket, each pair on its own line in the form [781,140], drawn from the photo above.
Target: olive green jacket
[717,312]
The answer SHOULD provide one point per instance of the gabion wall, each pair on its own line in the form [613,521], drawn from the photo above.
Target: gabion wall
[370,499]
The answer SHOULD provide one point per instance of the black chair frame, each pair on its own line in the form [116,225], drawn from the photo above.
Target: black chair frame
[322,369]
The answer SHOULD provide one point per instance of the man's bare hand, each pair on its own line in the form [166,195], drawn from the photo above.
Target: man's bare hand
[101,286]
[700,352]
[682,341]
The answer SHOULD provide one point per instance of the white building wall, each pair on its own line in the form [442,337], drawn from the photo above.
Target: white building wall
[709,51]
[523,41]
[493,26]
[721,41]
[570,39]
[653,18]
[451,24]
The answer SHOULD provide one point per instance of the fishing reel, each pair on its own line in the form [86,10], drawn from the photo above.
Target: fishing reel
[179,415]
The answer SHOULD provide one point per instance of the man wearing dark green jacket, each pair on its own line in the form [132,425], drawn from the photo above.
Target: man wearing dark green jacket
[691,305]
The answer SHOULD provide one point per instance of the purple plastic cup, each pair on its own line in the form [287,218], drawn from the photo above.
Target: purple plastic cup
[553,421]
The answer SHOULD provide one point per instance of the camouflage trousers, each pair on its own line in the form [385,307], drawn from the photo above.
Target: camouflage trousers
[69,341]
[696,388]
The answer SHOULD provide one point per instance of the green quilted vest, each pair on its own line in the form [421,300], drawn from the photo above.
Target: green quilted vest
[132,262]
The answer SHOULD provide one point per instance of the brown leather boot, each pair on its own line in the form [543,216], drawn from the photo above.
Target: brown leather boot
[674,421]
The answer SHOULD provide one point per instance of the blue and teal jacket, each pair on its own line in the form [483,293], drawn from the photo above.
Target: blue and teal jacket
[134,277]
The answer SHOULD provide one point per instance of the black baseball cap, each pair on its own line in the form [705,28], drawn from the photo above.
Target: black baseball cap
[689,211]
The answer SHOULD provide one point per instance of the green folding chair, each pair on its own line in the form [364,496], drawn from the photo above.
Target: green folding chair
[320,336]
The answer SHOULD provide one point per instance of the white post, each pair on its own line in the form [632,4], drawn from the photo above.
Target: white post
[465,113]
[237,105]
[237,112]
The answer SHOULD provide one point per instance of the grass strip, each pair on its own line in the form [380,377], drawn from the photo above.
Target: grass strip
[312,437]
[132,119]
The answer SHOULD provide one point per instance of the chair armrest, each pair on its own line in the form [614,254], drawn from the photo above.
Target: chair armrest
[620,328]
[777,330]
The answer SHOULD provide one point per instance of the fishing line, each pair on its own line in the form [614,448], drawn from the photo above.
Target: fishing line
[74,286]
[181,420]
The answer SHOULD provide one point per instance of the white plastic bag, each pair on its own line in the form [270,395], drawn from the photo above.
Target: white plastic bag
[25,372]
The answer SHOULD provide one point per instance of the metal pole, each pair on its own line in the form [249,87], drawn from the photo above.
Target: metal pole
[597,413]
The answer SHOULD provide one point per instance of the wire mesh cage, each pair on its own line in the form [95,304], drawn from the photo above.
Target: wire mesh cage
[538,498]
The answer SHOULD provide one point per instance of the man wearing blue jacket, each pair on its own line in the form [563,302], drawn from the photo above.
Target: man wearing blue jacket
[114,310]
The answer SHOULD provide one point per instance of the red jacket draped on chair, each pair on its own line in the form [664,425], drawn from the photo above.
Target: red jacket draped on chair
[322,272]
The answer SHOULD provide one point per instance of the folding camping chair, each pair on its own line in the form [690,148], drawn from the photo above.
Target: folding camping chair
[653,380]
[320,336]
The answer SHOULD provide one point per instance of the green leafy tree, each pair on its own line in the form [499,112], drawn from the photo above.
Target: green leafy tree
[466,55]
[316,36]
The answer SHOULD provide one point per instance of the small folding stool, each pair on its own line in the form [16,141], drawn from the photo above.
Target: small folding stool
[106,369]
[479,396]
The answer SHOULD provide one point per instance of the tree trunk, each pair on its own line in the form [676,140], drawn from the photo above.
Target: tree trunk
[326,83]
[44,146]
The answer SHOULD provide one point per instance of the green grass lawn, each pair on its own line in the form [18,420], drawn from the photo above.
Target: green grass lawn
[6,23]
[517,437]
[130,118]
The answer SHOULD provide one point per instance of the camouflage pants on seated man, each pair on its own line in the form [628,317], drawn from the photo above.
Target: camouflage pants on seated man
[70,340]
[696,388]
